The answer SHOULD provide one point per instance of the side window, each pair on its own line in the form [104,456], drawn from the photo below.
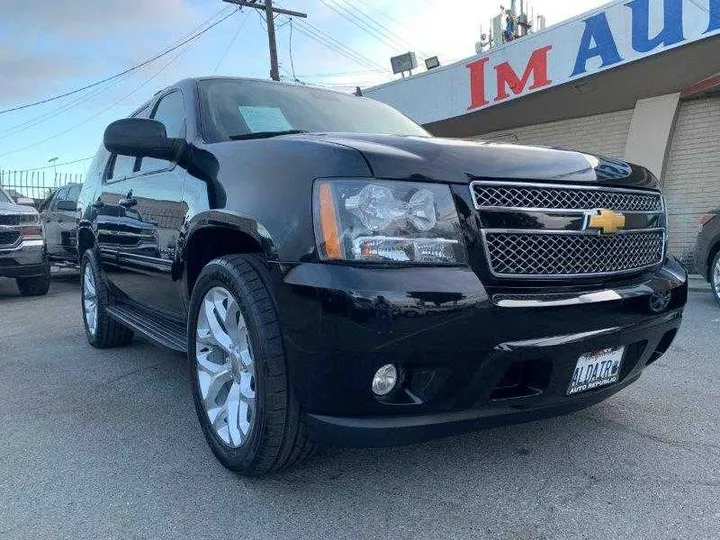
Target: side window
[47,203]
[171,112]
[60,196]
[122,166]
[74,193]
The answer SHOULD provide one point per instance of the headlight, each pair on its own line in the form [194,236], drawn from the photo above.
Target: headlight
[383,221]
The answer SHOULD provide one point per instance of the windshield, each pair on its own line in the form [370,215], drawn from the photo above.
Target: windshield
[4,197]
[237,108]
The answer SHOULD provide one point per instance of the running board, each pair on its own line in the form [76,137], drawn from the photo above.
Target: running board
[164,332]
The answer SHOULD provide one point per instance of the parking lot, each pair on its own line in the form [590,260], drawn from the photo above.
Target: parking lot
[105,444]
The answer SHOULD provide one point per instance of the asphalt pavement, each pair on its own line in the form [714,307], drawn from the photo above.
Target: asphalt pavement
[105,444]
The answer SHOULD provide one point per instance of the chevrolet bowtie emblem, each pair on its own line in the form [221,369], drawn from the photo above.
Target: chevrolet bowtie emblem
[607,221]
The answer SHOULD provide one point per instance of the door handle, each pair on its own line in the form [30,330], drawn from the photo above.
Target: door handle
[128,203]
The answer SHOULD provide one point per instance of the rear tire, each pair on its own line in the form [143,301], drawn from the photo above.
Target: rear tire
[268,426]
[715,277]
[35,286]
[102,332]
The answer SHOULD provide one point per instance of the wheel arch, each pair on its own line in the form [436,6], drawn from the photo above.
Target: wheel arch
[85,241]
[215,234]
[712,253]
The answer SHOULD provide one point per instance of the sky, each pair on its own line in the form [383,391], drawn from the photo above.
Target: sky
[51,47]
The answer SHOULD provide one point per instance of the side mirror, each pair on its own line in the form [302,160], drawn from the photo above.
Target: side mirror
[25,201]
[66,206]
[140,137]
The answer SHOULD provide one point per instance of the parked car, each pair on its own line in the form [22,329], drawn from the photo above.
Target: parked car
[23,256]
[336,275]
[58,214]
[707,250]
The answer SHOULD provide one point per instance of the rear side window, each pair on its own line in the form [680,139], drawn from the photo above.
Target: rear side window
[171,112]
[123,166]
[74,193]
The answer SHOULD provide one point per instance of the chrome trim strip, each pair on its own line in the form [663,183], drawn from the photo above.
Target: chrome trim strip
[608,295]
[587,232]
[499,183]
[571,211]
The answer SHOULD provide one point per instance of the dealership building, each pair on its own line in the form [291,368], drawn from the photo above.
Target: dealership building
[638,80]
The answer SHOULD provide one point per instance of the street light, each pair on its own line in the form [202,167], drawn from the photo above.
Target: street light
[54,163]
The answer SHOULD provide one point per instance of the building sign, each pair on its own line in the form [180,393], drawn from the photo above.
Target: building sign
[622,32]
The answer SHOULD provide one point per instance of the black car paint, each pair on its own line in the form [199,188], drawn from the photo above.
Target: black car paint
[707,246]
[445,327]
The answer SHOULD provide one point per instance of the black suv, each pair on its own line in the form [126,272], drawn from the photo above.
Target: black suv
[336,275]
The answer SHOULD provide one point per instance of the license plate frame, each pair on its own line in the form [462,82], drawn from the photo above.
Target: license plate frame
[595,370]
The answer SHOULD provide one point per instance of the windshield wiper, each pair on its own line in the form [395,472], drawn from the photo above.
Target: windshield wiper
[265,134]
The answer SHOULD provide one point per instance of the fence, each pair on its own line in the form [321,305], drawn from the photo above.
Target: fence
[35,184]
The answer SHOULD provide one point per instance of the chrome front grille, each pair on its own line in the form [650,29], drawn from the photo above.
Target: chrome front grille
[489,195]
[522,254]
[541,231]
[9,238]
[10,221]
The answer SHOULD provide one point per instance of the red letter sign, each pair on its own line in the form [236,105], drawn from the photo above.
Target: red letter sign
[477,83]
[507,78]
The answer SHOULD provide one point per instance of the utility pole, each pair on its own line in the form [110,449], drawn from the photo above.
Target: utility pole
[270,11]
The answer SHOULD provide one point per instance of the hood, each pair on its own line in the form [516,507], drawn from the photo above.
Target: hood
[16,209]
[457,161]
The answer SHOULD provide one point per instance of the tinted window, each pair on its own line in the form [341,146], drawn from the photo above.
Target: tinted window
[74,193]
[171,112]
[46,203]
[61,194]
[122,166]
[237,107]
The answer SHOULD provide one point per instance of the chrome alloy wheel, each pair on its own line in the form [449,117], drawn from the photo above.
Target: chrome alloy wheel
[225,367]
[90,303]
[716,277]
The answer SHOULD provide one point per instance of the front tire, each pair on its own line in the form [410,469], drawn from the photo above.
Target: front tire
[35,286]
[715,277]
[246,408]
[102,332]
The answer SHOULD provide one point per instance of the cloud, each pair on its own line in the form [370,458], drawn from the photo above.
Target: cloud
[64,43]
[81,19]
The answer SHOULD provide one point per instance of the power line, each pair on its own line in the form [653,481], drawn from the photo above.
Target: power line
[117,75]
[337,46]
[290,50]
[37,120]
[357,21]
[270,12]
[59,164]
[103,111]
[232,42]
[379,27]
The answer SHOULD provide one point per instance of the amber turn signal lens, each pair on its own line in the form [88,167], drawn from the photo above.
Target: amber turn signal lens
[329,223]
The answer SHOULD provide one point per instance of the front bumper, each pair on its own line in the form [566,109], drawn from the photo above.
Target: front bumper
[471,357]
[29,259]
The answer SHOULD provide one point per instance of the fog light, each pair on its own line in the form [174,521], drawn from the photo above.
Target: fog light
[385,380]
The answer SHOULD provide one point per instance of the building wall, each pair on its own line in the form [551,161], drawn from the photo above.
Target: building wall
[692,175]
[604,134]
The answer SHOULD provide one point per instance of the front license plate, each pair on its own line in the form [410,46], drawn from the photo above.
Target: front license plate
[596,369]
